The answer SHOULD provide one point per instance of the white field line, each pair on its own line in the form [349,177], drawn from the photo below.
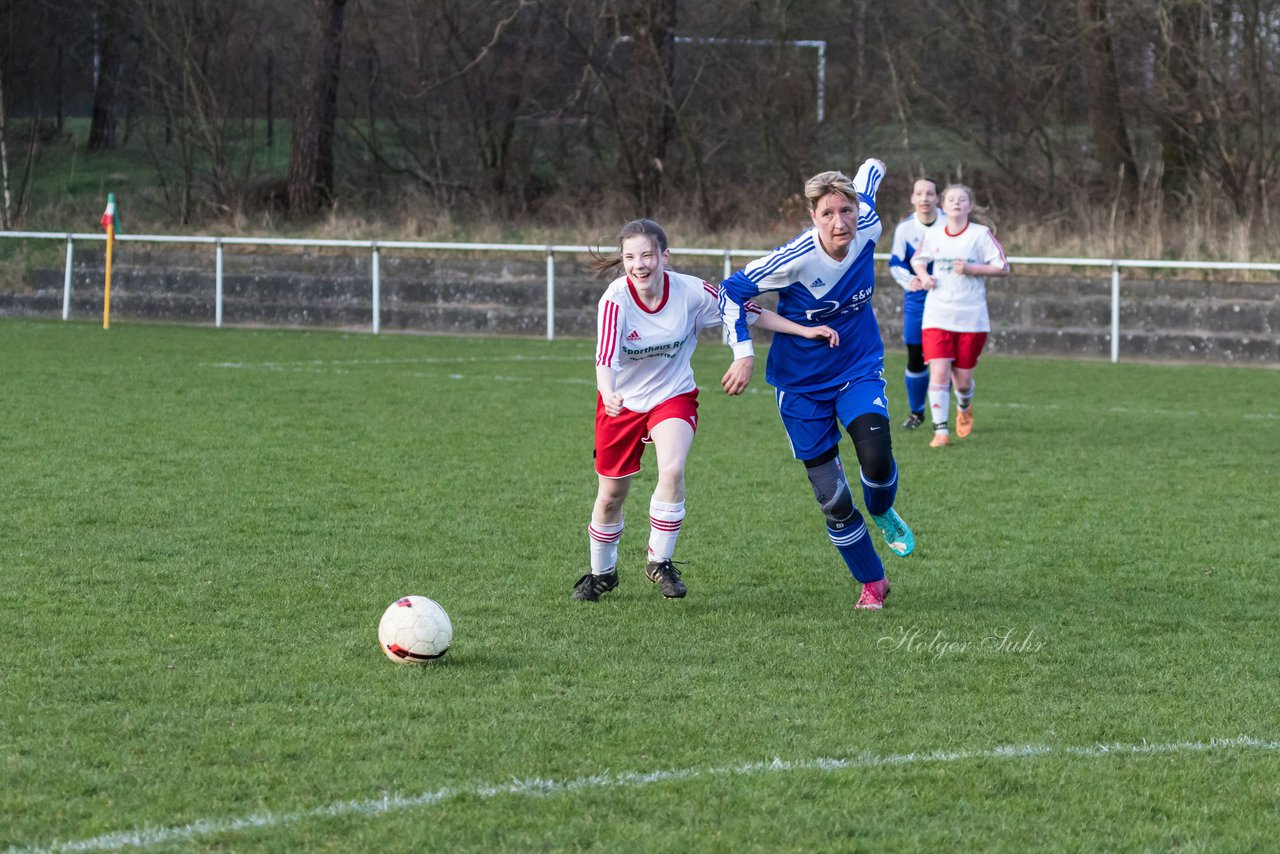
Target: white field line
[150,836]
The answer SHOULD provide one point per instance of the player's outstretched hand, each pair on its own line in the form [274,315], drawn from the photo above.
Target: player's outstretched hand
[816,332]
[738,377]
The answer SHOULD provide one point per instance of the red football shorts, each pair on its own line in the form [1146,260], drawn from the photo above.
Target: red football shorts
[960,348]
[620,439]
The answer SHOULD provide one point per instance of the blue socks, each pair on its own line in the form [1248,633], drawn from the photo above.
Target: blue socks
[878,497]
[917,390]
[859,555]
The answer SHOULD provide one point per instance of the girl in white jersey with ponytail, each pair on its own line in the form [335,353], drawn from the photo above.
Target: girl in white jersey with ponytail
[964,254]
[647,329]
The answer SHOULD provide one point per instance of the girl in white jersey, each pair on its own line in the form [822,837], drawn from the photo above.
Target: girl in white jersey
[956,323]
[647,329]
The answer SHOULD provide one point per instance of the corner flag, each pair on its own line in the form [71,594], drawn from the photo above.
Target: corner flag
[108,222]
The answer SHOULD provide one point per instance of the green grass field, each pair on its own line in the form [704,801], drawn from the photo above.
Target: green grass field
[201,527]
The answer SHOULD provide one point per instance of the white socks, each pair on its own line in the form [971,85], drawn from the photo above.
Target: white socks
[604,546]
[665,521]
[939,406]
[664,527]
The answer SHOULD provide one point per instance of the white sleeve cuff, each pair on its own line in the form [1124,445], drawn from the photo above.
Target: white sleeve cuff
[742,349]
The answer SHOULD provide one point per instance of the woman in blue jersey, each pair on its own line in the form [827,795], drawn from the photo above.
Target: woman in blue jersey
[826,276]
[647,329]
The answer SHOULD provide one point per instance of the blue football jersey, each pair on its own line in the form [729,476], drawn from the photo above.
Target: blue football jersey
[814,290]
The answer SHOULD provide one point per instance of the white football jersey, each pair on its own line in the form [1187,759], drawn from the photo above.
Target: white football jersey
[959,303]
[907,237]
[650,349]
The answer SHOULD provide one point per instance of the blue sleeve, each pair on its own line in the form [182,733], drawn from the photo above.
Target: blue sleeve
[900,265]
[735,292]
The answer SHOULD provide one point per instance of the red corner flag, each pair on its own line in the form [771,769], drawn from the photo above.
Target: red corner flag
[109,215]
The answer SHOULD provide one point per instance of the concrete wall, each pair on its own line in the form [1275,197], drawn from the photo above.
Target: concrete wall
[1161,319]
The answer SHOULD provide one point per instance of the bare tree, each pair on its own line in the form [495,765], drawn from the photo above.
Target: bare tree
[310,183]
[1106,113]
[647,119]
[1180,117]
[110,24]
[6,217]
[199,98]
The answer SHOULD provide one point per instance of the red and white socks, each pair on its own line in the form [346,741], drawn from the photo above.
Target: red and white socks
[604,545]
[665,521]
[664,528]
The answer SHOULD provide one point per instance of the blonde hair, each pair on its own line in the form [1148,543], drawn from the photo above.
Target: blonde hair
[825,183]
[977,214]
[603,264]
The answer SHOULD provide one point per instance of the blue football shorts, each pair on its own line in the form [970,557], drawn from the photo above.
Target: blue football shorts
[813,420]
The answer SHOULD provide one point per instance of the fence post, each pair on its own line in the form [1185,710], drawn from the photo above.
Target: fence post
[728,264]
[377,290]
[1115,312]
[66,283]
[217,283]
[551,295]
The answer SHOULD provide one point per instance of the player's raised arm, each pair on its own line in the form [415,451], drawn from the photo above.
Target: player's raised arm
[869,176]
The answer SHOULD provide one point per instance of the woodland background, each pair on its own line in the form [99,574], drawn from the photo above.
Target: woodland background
[1146,127]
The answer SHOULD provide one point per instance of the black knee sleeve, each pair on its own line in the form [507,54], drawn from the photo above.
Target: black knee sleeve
[915,358]
[870,435]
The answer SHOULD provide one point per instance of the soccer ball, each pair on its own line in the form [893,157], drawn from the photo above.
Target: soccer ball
[414,630]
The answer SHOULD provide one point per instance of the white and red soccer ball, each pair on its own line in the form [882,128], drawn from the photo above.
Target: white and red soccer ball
[415,630]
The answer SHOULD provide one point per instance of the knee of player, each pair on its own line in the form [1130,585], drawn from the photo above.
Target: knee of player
[609,503]
[671,474]
[878,468]
[840,508]
[871,441]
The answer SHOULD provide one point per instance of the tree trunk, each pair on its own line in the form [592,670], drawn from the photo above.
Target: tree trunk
[1181,122]
[654,25]
[310,184]
[1106,115]
[5,217]
[109,48]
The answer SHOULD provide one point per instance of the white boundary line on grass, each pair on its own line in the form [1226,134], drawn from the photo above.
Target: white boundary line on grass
[150,836]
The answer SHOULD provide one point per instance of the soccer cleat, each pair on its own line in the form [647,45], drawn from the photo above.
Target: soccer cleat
[896,533]
[664,574]
[591,587]
[913,421]
[873,593]
[939,440]
[964,422]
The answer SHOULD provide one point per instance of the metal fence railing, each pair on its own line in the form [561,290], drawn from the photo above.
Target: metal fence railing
[550,251]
